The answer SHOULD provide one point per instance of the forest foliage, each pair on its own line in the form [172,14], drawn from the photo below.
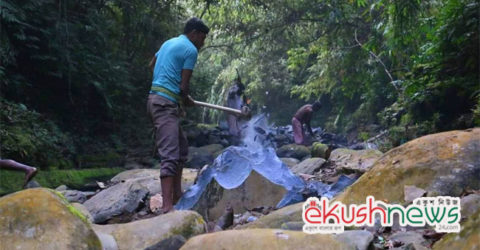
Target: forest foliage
[74,75]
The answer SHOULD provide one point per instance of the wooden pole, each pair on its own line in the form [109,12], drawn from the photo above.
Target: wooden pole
[213,106]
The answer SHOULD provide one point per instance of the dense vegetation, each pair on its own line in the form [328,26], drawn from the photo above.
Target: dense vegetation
[74,74]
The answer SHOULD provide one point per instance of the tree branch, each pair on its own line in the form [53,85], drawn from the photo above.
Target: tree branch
[378,60]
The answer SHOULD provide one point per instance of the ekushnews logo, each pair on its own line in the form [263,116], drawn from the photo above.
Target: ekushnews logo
[442,212]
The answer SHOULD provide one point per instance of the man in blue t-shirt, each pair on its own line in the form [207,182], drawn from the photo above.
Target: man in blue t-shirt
[172,69]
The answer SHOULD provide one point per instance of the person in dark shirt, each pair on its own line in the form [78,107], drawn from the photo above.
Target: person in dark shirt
[303,116]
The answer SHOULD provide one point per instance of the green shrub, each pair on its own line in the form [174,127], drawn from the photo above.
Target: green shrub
[26,136]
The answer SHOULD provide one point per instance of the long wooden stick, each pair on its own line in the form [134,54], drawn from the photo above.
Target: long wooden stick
[213,106]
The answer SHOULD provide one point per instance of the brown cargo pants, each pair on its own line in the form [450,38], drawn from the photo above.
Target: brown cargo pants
[170,141]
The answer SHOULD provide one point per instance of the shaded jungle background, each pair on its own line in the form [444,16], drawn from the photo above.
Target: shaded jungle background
[74,76]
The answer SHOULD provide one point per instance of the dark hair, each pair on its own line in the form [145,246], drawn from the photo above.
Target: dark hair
[316,105]
[195,23]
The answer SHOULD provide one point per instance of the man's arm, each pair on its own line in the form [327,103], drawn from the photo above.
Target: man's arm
[152,63]
[309,128]
[308,118]
[185,87]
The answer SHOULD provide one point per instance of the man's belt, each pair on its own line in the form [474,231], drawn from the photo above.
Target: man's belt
[167,92]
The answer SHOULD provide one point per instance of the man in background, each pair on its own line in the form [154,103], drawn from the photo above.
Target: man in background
[236,100]
[303,116]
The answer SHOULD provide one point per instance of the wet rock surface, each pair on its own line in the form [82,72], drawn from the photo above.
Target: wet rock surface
[150,232]
[440,170]
[238,200]
[41,219]
[264,239]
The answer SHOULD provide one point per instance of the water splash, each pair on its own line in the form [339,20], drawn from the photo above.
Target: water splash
[231,168]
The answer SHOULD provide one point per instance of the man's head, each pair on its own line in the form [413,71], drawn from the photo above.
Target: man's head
[316,106]
[196,31]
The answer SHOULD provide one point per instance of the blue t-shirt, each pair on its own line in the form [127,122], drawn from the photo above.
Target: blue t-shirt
[175,54]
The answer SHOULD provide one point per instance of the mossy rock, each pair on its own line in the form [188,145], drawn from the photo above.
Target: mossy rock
[294,151]
[319,150]
[42,219]
[468,238]
[264,239]
[145,233]
[442,164]
[276,218]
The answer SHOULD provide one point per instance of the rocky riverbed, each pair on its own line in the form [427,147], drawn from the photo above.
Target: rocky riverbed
[121,214]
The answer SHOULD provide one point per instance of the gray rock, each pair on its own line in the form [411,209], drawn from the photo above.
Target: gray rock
[415,246]
[359,238]
[32,184]
[172,243]
[308,166]
[74,196]
[199,157]
[358,161]
[290,162]
[108,242]
[124,197]
[409,237]
[470,204]
[146,233]
[61,188]
[136,173]
[412,192]
[293,151]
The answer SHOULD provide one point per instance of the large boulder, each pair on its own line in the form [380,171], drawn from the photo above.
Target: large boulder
[443,164]
[354,161]
[264,239]
[256,191]
[293,151]
[145,233]
[468,238]
[308,166]
[41,219]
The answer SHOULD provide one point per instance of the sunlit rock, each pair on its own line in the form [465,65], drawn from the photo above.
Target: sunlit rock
[40,219]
